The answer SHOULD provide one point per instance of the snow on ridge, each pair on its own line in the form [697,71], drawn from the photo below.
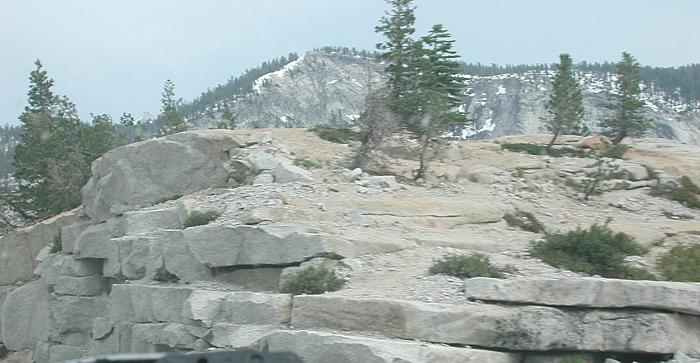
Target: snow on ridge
[258,84]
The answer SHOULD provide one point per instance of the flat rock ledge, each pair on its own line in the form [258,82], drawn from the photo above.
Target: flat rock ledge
[591,292]
[525,328]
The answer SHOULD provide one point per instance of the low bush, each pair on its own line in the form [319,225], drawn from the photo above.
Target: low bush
[467,266]
[525,221]
[687,184]
[340,135]
[197,218]
[312,281]
[574,358]
[56,244]
[306,163]
[603,170]
[681,263]
[615,152]
[687,193]
[594,251]
[532,149]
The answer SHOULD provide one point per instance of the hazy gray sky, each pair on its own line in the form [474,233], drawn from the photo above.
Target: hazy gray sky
[112,56]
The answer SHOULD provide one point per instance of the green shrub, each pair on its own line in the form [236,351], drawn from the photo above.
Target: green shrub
[594,251]
[687,193]
[614,152]
[532,149]
[197,218]
[681,263]
[525,221]
[306,163]
[340,135]
[56,244]
[639,273]
[312,281]
[687,184]
[467,266]
[653,174]
[574,358]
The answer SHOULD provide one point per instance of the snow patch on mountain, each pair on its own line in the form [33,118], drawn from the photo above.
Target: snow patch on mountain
[264,79]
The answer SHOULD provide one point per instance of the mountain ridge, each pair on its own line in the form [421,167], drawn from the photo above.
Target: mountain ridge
[328,87]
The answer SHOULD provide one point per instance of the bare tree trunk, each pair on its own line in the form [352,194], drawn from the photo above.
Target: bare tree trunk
[425,140]
[551,142]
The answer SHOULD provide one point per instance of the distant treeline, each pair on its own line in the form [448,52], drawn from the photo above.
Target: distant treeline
[682,82]
[240,85]
[478,69]
[349,51]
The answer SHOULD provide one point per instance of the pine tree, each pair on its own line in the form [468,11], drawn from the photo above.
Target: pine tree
[397,27]
[100,137]
[128,128]
[565,105]
[169,119]
[438,90]
[228,120]
[50,135]
[628,120]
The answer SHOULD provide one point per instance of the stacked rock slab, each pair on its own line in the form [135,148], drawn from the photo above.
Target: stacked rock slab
[19,249]
[522,328]
[588,292]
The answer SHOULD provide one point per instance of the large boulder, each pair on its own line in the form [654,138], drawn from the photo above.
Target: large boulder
[71,317]
[4,291]
[147,303]
[243,308]
[286,172]
[19,249]
[231,336]
[322,347]
[588,292]
[145,221]
[147,337]
[25,317]
[528,328]
[81,286]
[217,245]
[152,171]
[162,255]
[59,264]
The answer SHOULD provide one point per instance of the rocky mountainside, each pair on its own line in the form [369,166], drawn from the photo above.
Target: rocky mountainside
[317,88]
[136,275]
[329,88]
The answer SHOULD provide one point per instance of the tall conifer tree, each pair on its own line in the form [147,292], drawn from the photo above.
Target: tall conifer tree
[565,106]
[438,89]
[228,120]
[397,27]
[169,119]
[628,120]
[50,134]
